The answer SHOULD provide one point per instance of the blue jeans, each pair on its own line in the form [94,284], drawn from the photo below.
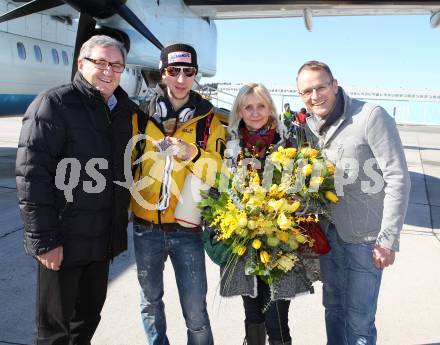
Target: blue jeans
[152,247]
[351,285]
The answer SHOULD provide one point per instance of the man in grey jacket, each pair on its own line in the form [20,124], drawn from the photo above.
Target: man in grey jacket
[372,183]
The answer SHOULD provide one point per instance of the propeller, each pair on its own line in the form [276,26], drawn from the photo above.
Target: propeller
[30,8]
[134,21]
[86,29]
[89,9]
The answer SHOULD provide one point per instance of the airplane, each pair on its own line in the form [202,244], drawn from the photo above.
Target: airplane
[41,38]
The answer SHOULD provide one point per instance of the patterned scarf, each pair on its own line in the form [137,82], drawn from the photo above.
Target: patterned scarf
[257,141]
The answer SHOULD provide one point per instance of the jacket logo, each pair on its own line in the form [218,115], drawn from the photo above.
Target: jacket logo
[188,130]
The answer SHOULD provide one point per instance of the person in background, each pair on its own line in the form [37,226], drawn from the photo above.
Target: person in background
[254,130]
[288,114]
[373,184]
[301,116]
[183,126]
[74,237]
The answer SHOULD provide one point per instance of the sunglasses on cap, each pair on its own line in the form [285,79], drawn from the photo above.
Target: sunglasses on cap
[174,71]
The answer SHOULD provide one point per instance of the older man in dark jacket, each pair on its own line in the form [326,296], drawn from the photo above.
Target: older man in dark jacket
[71,149]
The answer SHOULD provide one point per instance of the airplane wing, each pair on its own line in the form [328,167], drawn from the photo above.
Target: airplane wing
[145,25]
[247,9]
[234,9]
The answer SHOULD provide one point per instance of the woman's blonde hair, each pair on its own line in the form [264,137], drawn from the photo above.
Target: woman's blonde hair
[260,91]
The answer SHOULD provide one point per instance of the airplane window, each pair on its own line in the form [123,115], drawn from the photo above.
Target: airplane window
[55,57]
[21,50]
[38,55]
[65,57]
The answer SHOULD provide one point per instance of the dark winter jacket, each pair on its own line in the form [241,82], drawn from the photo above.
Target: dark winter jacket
[74,122]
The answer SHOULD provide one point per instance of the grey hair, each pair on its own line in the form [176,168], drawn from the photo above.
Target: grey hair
[261,92]
[101,41]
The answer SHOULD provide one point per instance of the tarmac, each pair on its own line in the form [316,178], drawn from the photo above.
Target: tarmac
[409,303]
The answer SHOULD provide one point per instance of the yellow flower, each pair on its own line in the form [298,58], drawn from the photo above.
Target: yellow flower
[313,153]
[256,179]
[316,181]
[259,193]
[307,169]
[290,152]
[280,156]
[331,197]
[291,207]
[264,257]
[283,222]
[273,190]
[276,157]
[276,205]
[241,250]
[251,224]
[265,227]
[283,236]
[255,201]
[245,197]
[330,167]
[242,221]
[243,232]
[256,244]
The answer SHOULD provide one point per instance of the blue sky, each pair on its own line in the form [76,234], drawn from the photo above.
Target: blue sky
[370,51]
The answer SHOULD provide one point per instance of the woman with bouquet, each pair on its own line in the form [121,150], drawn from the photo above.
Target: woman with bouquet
[255,132]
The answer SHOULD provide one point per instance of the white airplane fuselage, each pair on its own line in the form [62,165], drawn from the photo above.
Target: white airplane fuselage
[29,66]
[37,50]
[53,32]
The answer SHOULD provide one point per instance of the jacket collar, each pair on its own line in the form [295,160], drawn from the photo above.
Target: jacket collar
[89,91]
[196,101]
[83,86]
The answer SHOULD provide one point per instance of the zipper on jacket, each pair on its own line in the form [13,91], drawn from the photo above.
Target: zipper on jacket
[60,215]
[109,119]
[113,226]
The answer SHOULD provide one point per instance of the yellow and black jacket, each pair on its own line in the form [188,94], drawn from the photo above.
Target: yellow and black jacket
[204,130]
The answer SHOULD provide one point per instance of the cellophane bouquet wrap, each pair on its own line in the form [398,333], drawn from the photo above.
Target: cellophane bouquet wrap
[259,212]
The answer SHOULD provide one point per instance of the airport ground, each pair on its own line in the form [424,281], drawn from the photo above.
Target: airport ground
[409,303]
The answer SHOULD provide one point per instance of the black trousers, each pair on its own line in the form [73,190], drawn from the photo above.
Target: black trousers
[275,317]
[69,303]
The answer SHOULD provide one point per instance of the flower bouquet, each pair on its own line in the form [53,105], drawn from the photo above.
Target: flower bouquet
[263,213]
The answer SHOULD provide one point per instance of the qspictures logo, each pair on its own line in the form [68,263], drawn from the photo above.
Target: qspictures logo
[68,173]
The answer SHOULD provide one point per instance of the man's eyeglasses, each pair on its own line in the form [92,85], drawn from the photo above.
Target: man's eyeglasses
[103,65]
[318,89]
[174,71]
